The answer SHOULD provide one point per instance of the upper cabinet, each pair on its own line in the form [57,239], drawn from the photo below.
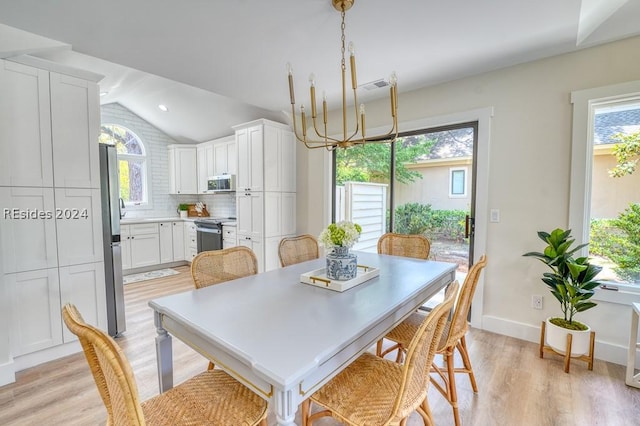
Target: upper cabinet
[279,160]
[25,126]
[183,178]
[249,145]
[224,154]
[75,119]
[216,157]
[205,165]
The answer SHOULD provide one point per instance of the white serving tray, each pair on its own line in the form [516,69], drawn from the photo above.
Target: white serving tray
[318,277]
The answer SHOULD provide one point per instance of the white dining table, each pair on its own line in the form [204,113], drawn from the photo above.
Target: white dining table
[284,339]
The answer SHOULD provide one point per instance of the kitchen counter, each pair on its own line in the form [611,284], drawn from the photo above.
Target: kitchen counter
[136,220]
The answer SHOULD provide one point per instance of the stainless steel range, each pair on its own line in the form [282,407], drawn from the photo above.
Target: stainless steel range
[209,233]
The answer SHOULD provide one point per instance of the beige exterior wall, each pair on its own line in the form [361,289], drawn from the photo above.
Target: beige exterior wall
[610,196]
[529,175]
[433,188]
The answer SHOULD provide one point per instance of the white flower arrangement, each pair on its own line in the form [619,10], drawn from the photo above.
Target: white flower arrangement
[341,234]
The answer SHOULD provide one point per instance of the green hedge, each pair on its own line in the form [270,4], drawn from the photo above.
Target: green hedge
[416,218]
[619,241]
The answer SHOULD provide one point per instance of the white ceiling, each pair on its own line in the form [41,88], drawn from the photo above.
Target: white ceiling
[220,63]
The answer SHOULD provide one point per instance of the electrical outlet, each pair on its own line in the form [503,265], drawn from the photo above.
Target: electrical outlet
[536,301]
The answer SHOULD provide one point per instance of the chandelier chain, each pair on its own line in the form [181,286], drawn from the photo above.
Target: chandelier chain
[342,27]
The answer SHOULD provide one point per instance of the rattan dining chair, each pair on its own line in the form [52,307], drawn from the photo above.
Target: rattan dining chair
[416,246]
[212,397]
[298,249]
[218,266]
[376,391]
[452,338]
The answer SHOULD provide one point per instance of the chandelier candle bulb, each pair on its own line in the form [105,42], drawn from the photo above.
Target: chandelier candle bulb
[312,91]
[362,120]
[290,72]
[352,64]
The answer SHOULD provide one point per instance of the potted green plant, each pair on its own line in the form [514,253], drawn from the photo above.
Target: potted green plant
[572,282]
[183,210]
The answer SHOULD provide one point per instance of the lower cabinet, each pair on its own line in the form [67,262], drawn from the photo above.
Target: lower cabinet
[190,241]
[84,286]
[229,238]
[141,243]
[37,298]
[36,323]
[171,242]
[257,247]
[271,258]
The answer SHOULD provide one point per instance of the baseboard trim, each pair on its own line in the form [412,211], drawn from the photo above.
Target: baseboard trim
[605,351]
[46,355]
[7,373]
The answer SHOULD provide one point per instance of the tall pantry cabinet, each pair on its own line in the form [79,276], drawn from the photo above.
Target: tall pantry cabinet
[50,228]
[265,188]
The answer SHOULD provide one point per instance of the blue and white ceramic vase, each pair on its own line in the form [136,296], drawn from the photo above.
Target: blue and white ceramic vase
[341,265]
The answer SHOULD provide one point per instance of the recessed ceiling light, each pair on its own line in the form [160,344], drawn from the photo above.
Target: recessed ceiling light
[104,93]
[163,108]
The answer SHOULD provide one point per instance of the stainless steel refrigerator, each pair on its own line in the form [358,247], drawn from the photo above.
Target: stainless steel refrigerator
[111,213]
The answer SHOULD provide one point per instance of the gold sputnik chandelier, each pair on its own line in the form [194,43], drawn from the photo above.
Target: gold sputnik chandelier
[349,138]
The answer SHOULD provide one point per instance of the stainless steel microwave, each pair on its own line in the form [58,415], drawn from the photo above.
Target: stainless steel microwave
[223,183]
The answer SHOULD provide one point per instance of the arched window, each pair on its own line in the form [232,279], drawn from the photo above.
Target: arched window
[132,161]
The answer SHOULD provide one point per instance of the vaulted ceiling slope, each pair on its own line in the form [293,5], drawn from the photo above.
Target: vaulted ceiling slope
[218,63]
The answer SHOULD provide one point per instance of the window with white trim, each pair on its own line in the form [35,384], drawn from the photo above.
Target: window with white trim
[605,208]
[457,182]
[132,163]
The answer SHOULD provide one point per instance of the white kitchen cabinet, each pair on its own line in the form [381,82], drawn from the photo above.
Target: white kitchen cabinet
[206,163]
[280,219]
[141,242]
[279,160]
[177,229]
[84,286]
[35,318]
[171,237]
[183,178]
[49,181]
[125,246]
[29,232]
[225,156]
[145,250]
[271,257]
[257,247]
[265,194]
[229,236]
[166,242]
[78,226]
[75,123]
[190,241]
[249,146]
[250,215]
[25,126]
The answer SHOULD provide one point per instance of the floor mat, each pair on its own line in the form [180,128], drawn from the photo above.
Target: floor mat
[134,278]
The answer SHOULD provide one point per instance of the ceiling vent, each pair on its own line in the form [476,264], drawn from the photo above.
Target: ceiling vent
[373,85]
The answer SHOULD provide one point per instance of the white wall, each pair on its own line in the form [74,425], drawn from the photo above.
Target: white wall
[528,178]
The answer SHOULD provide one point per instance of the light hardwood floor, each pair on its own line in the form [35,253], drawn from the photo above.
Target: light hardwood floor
[515,386]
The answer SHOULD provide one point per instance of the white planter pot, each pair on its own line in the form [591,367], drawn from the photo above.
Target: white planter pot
[556,337]
[183,214]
